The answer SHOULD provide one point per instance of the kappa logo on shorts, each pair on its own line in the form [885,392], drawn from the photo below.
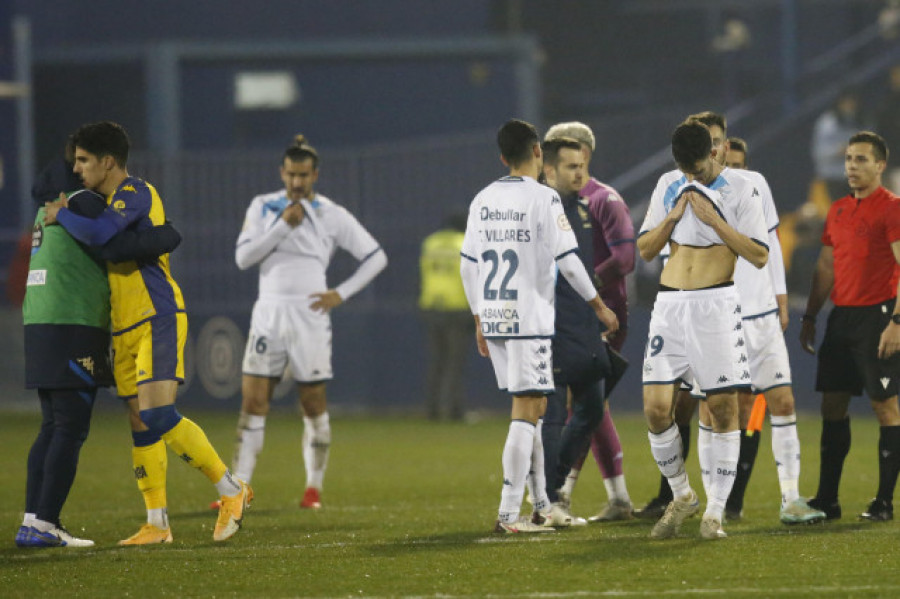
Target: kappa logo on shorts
[543,381]
[740,342]
[542,366]
[648,368]
[542,349]
[778,375]
[742,359]
[737,327]
[723,379]
[87,364]
[737,310]
[745,375]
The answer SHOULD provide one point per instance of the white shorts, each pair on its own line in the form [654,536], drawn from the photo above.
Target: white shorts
[284,333]
[698,334]
[522,365]
[769,364]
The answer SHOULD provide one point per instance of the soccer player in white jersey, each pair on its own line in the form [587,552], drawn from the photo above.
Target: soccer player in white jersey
[764,315]
[763,294]
[517,236]
[709,217]
[292,235]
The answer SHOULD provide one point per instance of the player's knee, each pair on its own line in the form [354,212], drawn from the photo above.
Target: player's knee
[313,400]
[780,401]
[256,404]
[835,407]
[657,415]
[887,412]
[161,419]
[723,414]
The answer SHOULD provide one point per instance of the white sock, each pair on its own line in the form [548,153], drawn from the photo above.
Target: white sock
[28,519]
[516,463]
[725,448]
[786,449]
[158,517]
[704,437]
[536,474]
[615,489]
[569,485]
[251,432]
[666,450]
[316,442]
[42,525]
[227,486]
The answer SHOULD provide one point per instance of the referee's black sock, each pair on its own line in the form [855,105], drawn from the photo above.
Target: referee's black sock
[834,447]
[749,449]
[888,462]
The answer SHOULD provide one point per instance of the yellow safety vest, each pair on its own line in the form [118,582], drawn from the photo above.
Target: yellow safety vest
[442,287]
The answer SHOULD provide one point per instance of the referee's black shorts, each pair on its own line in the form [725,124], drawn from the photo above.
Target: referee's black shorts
[66,356]
[848,358]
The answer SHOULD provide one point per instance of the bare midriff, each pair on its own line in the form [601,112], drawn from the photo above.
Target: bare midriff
[692,267]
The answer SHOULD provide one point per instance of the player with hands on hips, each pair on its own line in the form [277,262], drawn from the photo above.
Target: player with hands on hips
[292,235]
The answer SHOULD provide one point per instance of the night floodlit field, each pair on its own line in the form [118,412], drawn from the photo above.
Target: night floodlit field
[408,510]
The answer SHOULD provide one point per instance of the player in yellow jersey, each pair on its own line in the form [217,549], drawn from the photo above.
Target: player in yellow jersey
[149,328]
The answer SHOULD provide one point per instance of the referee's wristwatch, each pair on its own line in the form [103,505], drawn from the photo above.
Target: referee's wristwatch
[895,318]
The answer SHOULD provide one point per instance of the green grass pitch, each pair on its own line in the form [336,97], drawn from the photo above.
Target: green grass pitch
[408,509]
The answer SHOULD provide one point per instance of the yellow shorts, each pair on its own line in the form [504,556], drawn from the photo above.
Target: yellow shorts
[150,351]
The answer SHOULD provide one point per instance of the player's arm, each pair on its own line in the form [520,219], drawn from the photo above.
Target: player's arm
[89,231]
[776,259]
[617,229]
[573,270]
[369,267]
[657,229]
[256,241]
[141,246]
[468,272]
[820,289]
[353,237]
[889,343]
[777,275]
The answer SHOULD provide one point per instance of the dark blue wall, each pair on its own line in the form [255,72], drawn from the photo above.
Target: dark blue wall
[62,22]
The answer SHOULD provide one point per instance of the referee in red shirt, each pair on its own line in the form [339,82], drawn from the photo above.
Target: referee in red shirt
[859,266]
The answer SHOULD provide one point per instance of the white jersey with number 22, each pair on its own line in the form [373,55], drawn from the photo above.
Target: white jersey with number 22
[515,233]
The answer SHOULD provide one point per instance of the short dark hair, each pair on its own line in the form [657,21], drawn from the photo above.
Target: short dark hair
[552,147]
[739,145]
[691,143]
[515,139]
[300,151]
[709,118]
[879,146]
[103,139]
